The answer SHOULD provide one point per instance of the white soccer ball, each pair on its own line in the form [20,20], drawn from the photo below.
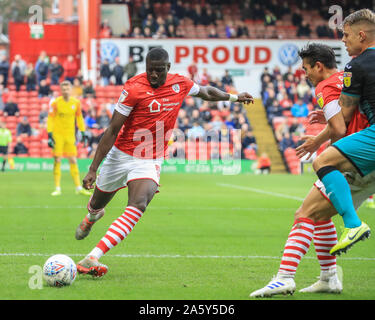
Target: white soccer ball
[59,270]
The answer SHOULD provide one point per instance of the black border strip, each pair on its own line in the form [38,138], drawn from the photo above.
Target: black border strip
[350,160]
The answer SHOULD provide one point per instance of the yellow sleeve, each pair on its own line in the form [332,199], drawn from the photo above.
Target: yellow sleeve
[51,117]
[79,118]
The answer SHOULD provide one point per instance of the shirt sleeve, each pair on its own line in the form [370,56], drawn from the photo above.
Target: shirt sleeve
[194,90]
[327,98]
[79,118]
[51,116]
[353,79]
[127,100]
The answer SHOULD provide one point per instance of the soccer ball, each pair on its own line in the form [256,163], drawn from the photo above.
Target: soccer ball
[59,270]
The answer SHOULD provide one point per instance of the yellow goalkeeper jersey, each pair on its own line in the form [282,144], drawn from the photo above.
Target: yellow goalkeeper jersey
[64,115]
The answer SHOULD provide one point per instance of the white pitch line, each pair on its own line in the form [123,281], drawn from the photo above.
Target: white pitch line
[275,194]
[48,207]
[172,256]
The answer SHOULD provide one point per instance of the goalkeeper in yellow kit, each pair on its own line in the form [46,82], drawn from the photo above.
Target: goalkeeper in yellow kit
[65,113]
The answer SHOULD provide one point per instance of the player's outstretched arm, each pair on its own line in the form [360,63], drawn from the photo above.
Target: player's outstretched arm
[210,93]
[105,144]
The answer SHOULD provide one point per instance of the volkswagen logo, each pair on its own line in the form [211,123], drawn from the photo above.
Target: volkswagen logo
[109,51]
[288,54]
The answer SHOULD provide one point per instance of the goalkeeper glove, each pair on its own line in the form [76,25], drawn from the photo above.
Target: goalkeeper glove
[84,139]
[51,141]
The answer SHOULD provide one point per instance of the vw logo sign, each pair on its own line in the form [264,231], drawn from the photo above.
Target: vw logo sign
[288,54]
[109,51]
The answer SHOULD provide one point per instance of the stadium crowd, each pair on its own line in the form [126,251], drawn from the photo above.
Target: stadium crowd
[229,19]
[25,100]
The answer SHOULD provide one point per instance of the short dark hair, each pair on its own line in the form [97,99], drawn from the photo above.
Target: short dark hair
[157,54]
[315,52]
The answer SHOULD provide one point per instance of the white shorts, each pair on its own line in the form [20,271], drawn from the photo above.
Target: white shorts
[119,168]
[361,187]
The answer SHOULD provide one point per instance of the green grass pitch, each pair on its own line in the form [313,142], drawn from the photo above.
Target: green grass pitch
[203,237]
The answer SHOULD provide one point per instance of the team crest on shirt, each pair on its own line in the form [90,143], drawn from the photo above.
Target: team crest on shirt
[347,79]
[123,96]
[176,88]
[320,100]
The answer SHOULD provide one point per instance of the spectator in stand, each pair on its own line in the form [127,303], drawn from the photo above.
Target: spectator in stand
[160,33]
[302,87]
[171,31]
[185,126]
[230,30]
[274,110]
[145,9]
[88,90]
[20,148]
[196,14]
[208,17]
[147,32]
[304,30]
[56,70]
[264,163]
[24,128]
[118,72]
[4,69]
[296,128]
[324,32]
[41,67]
[213,33]
[43,115]
[193,71]
[105,73]
[178,9]
[137,33]
[227,79]
[103,119]
[90,120]
[11,109]
[297,18]
[269,18]
[77,90]
[18,72]
[70,69]
[196,132]
[105,30]
[286,142]
[150,22]
[299,109]
[249,141]
[31,77]
[130,68]
[242,30]
[44,89]
[2,91]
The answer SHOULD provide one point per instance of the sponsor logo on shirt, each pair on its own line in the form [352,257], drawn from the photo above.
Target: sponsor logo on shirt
[347,79]
[176,88]
[320,100]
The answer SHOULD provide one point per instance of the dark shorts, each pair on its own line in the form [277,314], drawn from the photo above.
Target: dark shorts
[3,149]
[359,149]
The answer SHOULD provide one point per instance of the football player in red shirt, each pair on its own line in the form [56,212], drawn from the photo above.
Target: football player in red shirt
[313,218]
[134,145]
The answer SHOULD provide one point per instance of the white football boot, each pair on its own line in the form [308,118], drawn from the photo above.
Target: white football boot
[278,285]
[329,282]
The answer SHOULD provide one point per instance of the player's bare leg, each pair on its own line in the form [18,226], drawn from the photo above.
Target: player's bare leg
[96,209]
[57,176]
[140,193]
